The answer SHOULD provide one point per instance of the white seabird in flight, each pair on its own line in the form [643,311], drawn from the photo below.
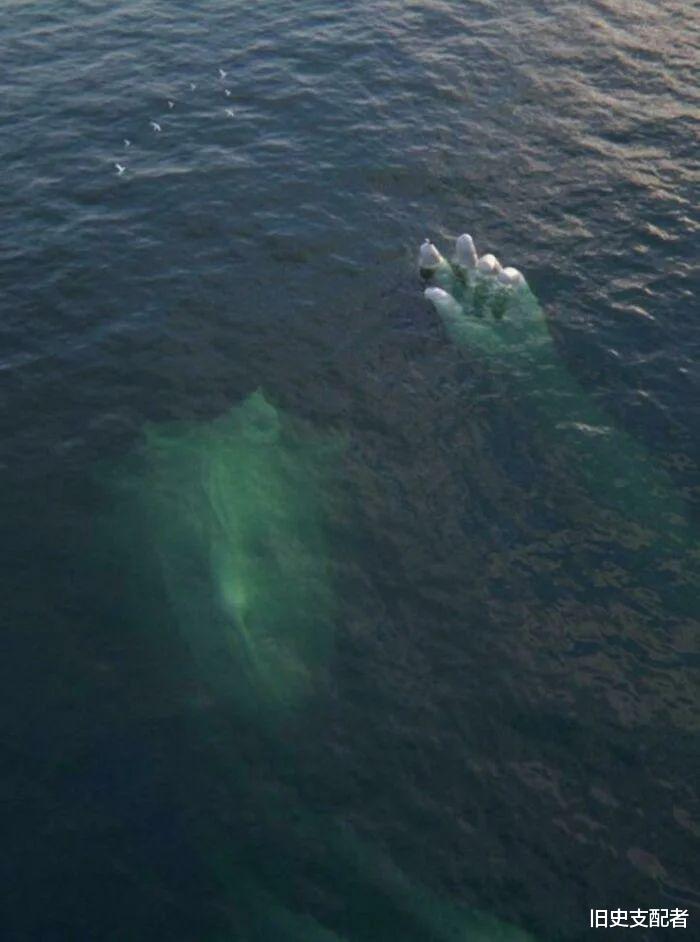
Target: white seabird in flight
[120,169]
[156,126]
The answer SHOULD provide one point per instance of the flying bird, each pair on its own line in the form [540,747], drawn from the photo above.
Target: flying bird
[156,126]
[120,169]
[171,104]
[227,92]
[229,112]
[192,86]
[127,142]
[222,74]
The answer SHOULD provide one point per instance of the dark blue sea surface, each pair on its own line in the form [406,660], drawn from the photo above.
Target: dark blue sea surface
[500,731]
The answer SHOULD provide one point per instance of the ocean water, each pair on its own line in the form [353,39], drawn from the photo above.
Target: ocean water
[314,625]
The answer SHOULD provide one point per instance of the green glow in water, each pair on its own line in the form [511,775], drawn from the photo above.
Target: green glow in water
[232,511]
[366,896]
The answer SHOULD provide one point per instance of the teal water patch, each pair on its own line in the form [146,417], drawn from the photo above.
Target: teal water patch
[226,518]
[360,893]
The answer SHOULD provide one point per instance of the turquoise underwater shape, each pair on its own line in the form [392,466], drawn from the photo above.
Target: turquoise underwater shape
[232,514]
[227,516]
